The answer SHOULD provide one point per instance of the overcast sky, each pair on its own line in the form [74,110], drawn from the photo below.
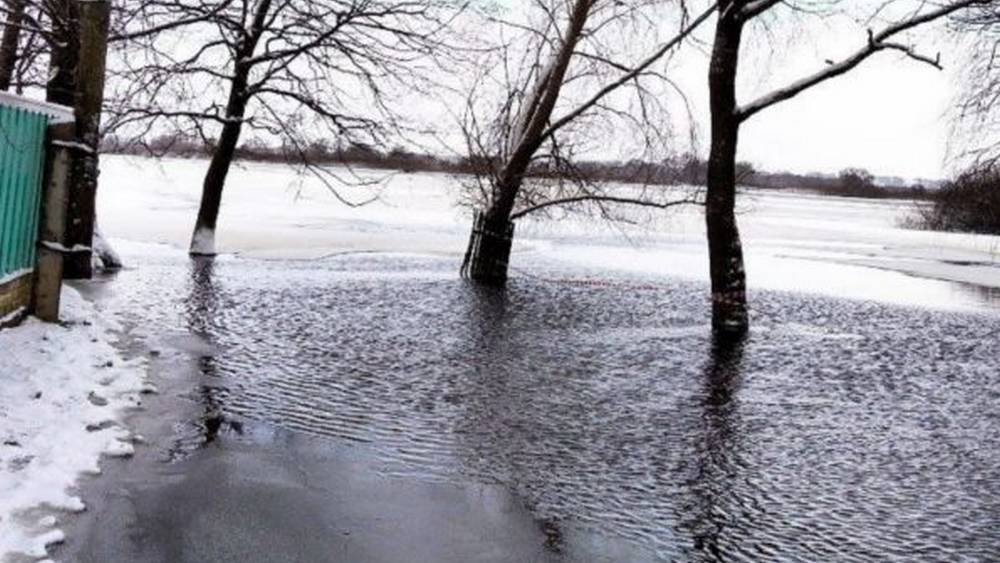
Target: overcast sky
[888,115]
[888,118]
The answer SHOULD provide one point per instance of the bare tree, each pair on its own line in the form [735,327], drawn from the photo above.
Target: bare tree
[73,33]
[537,126]
[977,111]
[290,71]
[9,40]
[729,301]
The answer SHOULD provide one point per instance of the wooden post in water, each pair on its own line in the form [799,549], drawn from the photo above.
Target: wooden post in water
[487,257]
[52,234]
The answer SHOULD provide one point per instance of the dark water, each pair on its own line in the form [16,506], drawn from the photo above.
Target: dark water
[838,431]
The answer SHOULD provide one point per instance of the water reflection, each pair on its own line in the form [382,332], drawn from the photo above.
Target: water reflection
[710,517]
[203,310]
[485,309]
[990,296]
[203,303]
[723,373]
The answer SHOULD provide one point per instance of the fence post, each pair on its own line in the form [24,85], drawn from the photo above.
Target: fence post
[52,234]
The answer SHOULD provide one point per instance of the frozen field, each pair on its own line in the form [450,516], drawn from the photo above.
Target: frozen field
[836,246]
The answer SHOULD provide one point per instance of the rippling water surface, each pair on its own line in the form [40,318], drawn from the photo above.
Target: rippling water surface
[840,430]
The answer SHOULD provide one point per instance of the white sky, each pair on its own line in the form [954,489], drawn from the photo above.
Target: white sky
[887,117]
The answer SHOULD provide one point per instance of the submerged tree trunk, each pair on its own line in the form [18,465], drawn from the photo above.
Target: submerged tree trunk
[203,239]
[729,301]
[488,255]
[9,42]
[91,56]
[486,259]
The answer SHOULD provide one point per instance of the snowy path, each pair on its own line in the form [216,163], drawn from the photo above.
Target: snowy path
[63,392]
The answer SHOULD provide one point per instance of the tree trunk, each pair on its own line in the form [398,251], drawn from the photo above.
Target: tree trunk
[203,239]
[92,55]
[486,259]
[9,42]
[729,301]
[61,87]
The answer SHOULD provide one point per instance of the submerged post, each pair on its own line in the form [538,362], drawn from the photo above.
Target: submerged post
[52,234]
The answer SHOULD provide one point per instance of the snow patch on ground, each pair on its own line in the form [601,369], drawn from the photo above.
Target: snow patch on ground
[63,391]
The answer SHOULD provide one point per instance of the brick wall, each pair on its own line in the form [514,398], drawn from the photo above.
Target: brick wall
[14,295]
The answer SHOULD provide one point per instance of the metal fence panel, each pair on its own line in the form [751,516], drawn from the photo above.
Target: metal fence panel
[22,146]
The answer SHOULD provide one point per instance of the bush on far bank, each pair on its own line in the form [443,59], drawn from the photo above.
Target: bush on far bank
[970,203]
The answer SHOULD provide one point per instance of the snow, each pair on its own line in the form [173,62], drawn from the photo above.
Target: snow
[268,211]
[74,146]
[59,247]
[104,253]
[56,380]
[11,316]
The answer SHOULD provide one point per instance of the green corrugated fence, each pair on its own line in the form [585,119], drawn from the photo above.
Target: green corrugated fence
[22,155]
[23,127]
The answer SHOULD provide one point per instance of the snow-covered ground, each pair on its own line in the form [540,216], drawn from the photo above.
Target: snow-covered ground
[839,246]
[63,391]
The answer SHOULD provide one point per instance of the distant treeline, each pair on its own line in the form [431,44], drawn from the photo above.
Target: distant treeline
[851,182]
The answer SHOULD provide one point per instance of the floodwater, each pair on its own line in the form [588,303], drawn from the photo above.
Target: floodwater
[839,430]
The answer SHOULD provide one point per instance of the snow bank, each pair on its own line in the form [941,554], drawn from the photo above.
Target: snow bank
[63,391]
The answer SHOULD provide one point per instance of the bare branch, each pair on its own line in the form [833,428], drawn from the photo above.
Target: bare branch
[638,69]
[603,199]
[876,43]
